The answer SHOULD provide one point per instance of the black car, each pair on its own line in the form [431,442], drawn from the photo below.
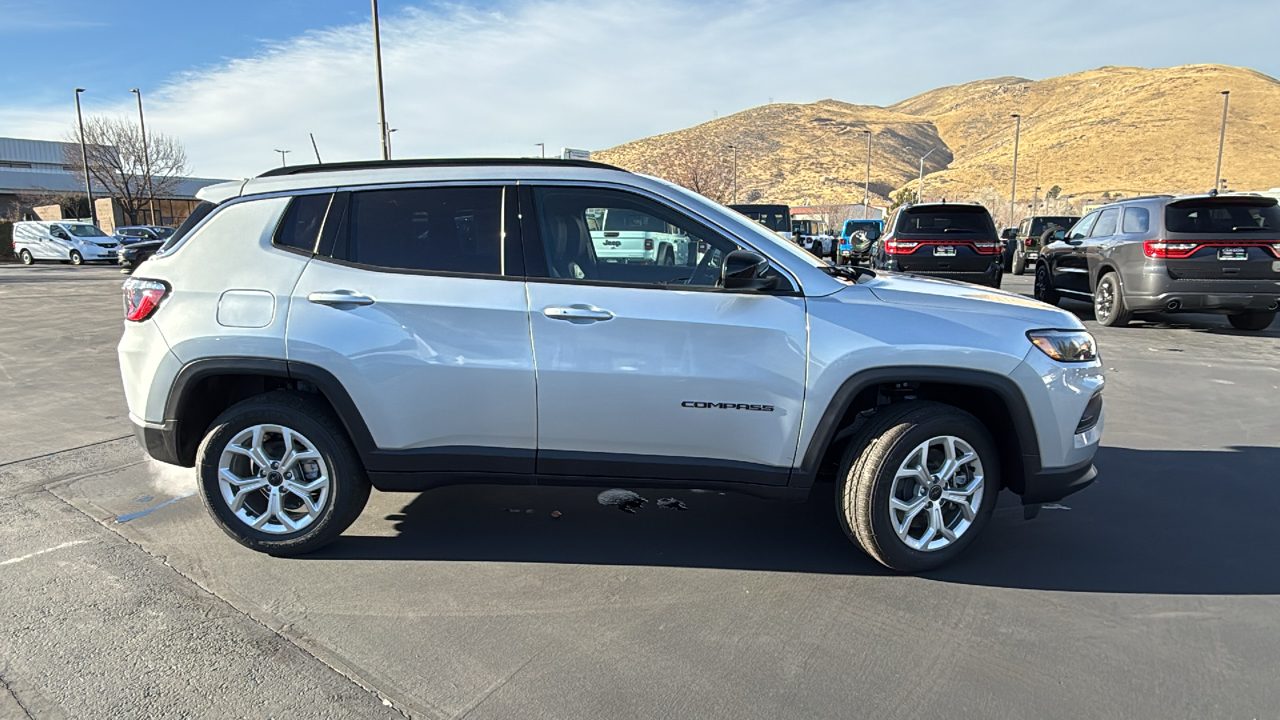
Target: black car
[137,233]
[947,240]
[1031,236]
[132,255]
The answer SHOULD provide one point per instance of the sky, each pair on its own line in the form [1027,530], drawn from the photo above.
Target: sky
[235,81]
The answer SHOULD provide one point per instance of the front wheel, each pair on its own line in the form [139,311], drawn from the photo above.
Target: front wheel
[917,484]
[76,258]
[279,475]
[1044,291]
[26,258]
[1252,321]
[1019,263]
[1108,302]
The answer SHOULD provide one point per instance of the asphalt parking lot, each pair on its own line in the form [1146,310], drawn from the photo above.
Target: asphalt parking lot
[1154,593]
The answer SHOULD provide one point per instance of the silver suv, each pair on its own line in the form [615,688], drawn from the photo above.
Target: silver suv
[1202,253]
[405,325]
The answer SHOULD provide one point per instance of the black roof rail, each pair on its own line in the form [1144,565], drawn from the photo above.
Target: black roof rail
[433,162]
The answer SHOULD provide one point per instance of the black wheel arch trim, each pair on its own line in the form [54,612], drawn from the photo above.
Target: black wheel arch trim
[1004,387]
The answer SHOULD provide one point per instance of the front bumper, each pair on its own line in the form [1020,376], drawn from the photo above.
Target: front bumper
[1054,484]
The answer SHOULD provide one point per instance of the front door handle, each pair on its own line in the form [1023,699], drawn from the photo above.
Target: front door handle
[577,314]
[339,297]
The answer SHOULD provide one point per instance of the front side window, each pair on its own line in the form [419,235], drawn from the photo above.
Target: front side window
[439,229]
[1108,221]
[1136,220]
[1081,229]
[85,231]
[608,236]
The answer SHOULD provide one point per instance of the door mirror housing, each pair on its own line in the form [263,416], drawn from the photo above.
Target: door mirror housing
[746,270]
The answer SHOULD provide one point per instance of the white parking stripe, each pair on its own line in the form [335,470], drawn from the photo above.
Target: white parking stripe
[11,561]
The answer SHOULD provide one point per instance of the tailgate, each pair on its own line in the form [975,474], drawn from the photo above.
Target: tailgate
[1228,237]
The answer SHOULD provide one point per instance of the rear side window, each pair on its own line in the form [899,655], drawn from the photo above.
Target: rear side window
[947,221]
[1222,215]
[1136,220]
[445,229]
[301,225]
[1108,221]
[200,212]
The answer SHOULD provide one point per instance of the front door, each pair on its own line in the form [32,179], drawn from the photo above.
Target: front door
[653,371]
[1068,261]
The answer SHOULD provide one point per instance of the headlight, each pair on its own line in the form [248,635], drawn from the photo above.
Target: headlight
[1065,345]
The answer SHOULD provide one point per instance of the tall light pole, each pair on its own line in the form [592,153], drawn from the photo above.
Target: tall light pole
[389,131]
[734,148]
[920,182]
[1222,140]
[866,188]
[1013,192]
[382,107]
[282,154]
[543,148]
[84,159]
[146,156]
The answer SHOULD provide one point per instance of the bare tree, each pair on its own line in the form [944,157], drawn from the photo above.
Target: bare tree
[695,168]
[118,164]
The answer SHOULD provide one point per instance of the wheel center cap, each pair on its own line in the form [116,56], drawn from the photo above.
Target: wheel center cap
[935,493]
[274,478]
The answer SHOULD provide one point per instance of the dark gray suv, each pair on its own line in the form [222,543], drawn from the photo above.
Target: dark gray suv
[1202,253]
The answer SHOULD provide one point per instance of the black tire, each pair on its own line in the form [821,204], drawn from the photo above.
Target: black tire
[999,279]
[76,258]
[1252,321]
[25,257]
[1044,291]
[349,485]
[1019,263]
[1117,315]
[872,459]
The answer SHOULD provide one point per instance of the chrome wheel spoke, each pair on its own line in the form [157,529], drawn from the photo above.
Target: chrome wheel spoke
[909,511]
[304,495]
[260,472]
[936,492]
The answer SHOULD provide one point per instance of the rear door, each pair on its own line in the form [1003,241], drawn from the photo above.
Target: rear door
[1223,238]
[415,304]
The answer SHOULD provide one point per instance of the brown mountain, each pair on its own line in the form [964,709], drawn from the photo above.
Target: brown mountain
[1116,129]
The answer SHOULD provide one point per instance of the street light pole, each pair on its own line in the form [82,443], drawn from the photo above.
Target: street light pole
[866,188]
[920,182]
[282,154]
[1222,140]
[382,107]
[389,131]
[146,157]
[1013,193]
[84,159]
[543,148]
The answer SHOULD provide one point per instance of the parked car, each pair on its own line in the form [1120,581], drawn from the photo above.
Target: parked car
[1031,235]
[136,233]
[626,235]
[945,240]
[449,322]
[62,240]
[132,255]
[775,217]
[1200,253]
[857,237]
[1007,236]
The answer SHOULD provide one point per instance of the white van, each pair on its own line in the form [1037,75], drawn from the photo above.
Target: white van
[64,240]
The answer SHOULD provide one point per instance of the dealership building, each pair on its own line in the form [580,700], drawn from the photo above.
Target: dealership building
[33,172]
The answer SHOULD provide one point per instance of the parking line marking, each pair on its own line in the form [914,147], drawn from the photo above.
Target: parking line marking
[140,513]
[28,556]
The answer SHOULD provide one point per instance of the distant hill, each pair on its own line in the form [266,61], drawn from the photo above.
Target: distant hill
[1111,130]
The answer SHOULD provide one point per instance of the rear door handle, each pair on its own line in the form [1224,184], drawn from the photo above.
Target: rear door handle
[577,313]
[339,297]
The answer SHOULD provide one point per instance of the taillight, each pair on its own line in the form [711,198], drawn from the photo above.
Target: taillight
[987,248]
[648,243]
[1166,249]
[1030,242]
[142,297]
[900,247]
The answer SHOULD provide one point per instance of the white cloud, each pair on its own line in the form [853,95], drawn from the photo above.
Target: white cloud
[593,73]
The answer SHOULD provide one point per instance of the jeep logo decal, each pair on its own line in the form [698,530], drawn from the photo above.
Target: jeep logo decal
[613,243]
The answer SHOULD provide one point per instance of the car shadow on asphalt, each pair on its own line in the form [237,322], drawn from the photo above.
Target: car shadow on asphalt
[1157,521]
[1207,323]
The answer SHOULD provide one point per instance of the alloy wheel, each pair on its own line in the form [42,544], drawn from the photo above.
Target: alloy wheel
[936,493]
[1104,301]
[273,479]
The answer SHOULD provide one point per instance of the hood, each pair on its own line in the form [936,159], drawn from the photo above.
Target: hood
[920,292]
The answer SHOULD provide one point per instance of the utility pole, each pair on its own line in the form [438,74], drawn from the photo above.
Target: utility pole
[282,154]
[316,148]
[84,159]
[866,188]
[920,182]
[146,157]
[1013,192]
[1222,140]
[543,148]
[382,106]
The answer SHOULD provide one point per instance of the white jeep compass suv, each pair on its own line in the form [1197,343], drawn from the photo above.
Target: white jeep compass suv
[405,325]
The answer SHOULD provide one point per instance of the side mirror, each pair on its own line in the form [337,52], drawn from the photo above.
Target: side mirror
[1059,235]
[872,234]
[745,270]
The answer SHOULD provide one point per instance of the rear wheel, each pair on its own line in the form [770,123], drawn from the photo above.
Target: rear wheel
[1019,263]
[917,484]
[1108,302]
[76,258]
[26,258]
[1044,291]
[1252,321]
[279,475]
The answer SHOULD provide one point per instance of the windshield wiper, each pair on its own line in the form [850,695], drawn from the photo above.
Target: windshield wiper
[959,230]
[849,272]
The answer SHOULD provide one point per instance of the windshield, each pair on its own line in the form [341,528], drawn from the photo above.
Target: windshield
[84,231]
[632,221]
[1040,224]
[958,220]
[162,232]
[853,226]
[1222,215]
[775,217]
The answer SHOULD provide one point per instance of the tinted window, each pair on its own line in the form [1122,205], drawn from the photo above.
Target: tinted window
[1108,221]
[1039,225]
[963,220]
[446,229]
[1082,228]
[1222,215]
[633,221]
[1136,220]
[301,225]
